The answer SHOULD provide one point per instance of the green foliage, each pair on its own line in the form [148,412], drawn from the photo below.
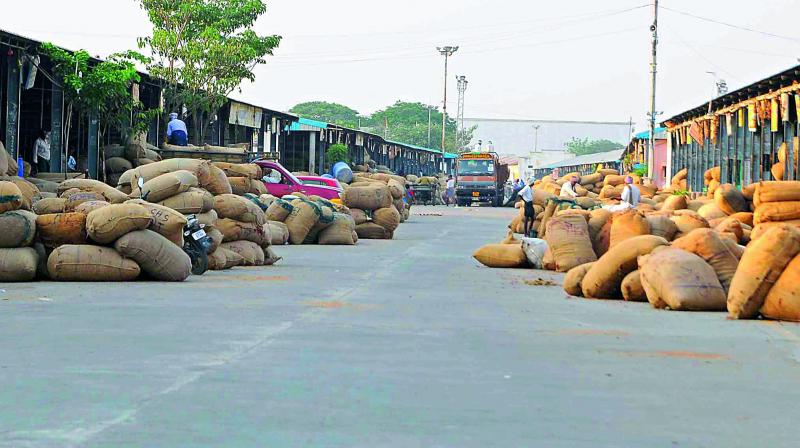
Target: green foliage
[337,153]
[328,112]
[583,146]
[680,192]
[207,47]
[641,171]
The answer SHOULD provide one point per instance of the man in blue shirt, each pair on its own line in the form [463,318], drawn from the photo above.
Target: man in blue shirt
[176,131]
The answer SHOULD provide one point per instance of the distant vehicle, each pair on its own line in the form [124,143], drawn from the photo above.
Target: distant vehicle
[320,180]
[280,182]
[480,177]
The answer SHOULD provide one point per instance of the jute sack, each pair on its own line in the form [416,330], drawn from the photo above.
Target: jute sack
[627,224]
[340,232]
[107,224]
[157,256]
[388,218]
[217,181]
[238,208]
[776,191]
[500,255]
[711,211]
[85,263]
[602,240]
[614,180]
[279,233]
[208,218]
[777,211]
[217,260]
[117,165]
[400,206]
[90,206]
[762,228]
[368,197]
[736,249]
[250,170]
[707,244]
[193,201]
[304,216]
[237,231]
[325,220]
[200,168]
[74,200]
[681,280]
[783,299]
[731,226]
[30,192]
[142,161]
[675,202]
[266,200]
[125,179]
[270,257]
[574,277]
[215,236]
[597,219]
[239,185]
[778,170]
[604,278]
[695,204]
[397,189]
[49,205]
[168,185]
[760,266]
[591,179]
[10,196]
[359,216]
[611,192]
[686,223]
[372,231]
[729,199]
[279,210]
[662,226]
[568,239]
[257,187]
[109,193]
[166,221]
[252,254]
[744,218]
[4,156]
[632,289]
[17,228]
[232,259]
[549,211]
[56,229]
[18,264]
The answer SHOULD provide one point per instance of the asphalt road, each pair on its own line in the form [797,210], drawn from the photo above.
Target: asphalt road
[403,343]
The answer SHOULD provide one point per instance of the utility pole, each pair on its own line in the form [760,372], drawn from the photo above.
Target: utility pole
[536,137]
[462,88]
[653,65]
[446,52]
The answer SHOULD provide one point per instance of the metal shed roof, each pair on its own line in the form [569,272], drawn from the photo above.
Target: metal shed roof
[600,157]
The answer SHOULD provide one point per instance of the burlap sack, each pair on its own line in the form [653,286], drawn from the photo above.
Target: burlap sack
[117,165]
[340,232]
[604,278]
[266,200]
[17,228]
[783,299]
[168,185]
[166,221]
[215,236]
[662,226]
[250,170]
[56,229]
[74,200]
[627,224]
[109,193]
[777,211]
[675,202]
[760,266]
[239,185]
[711,211]
[157,256]
[687,222]
[217,181]
[18,264]
[279,210]
[106,224]
[396,189]
[270,257]
[359,216]
[325,220]
[304,216]
[200,169]
[10,196]
[49,205]
[388,218]
[681,280]
[775,191]
[568,239]
[232,259]
[729,199]
[731,226]
[125,179]
[193,201]
[499,255]
[632,289]
[574,277]
[30,192]
[90,206]
[707,244]
[614,180]
[208,218]
[239,209]
[217,260]
[279,233]
[368,197]
[372,231]
[611,192]
[87,263]
[744,218]
[252,254]
[236,231]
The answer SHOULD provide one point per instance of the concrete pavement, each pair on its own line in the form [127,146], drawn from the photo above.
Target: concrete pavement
[401,343]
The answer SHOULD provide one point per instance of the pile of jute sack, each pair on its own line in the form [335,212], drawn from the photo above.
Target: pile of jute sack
[377,202]
[738,251]
[117,159]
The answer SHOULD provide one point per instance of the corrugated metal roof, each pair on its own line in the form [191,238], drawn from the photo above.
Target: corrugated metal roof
[305,124]
[600,157]
[646,134]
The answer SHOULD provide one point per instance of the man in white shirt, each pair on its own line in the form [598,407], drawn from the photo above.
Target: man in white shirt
[568,189]
[527,198]
[451,190]
[631,193]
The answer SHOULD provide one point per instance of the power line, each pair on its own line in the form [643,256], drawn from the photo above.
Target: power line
[731,25]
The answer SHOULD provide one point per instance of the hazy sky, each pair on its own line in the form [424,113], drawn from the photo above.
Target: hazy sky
[537,59]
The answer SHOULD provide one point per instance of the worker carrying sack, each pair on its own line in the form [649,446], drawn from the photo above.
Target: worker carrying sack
[85,263]
[157,256]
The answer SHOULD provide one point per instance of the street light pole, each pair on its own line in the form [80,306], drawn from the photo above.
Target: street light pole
[446,52]
[651,150]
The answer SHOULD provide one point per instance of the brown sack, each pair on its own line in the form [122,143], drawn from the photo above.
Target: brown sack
[85,263]
[777,211]
[200,169]
[166,221]
[760,266]
[731,226]
[251,170]
[372,231]
[368,197]
[707,244]
[662,226]
[597,219]
[279,233]
[340,232]
[568,239]
[614,180]
[602,241]
[688,222]
[238,208]
[193,201]
[215,236]
[257,187]
[279,210]
[681,280]
[774,191]
[75,200]
[217,182]
[18,264]
[157,256]
[109,193]
[90,206]
[549,211]
[695,204]
[252,254]
[304,216]
[729,199]
[17,228]
[237,231]
[397,189]
[711,211]
[208,218]
[239,185]
[744,218]
[574,277]
[56,229]
[632,289]
[388,218]
[777,171]
[10,196]
[168,185]
[46,206]
[783,300]
[106,224]
[500,256]
[627,224]
[217,261]
[604,278]
[675,202]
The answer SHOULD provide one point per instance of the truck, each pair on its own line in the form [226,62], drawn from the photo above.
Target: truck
[480,177]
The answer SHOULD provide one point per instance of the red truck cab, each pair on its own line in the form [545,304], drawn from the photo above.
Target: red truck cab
[480,177]
[280,182]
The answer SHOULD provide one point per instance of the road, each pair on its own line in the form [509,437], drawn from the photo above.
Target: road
[403,343]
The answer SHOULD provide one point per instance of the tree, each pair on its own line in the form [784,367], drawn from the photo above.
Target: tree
[203,50]
[583,146]
[328,112]
[337,153]
[408,123]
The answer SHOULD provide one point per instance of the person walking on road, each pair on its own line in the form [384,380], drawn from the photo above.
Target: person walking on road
[568,189]
[527,198]
[630,193]
[450,193]
[176,131]
[42,147]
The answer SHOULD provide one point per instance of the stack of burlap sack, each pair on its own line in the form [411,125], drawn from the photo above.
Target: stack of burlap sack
[778,169]
[310,220]
[604,183]
[377,204]
[120,158]
[9,170]
[234,148]
[244,177]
